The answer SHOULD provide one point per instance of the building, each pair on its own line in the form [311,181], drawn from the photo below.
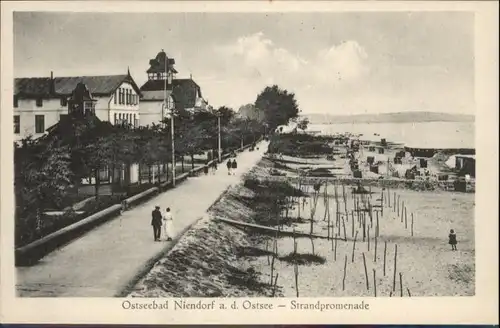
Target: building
[162,84]
[39,102]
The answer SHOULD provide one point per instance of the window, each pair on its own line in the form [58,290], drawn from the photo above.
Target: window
[17,124]
[128,97]
[116,118]
[39,123]
[16,104]
[39,102]
[135,120]
[115,96]
[120,96]
[64,102]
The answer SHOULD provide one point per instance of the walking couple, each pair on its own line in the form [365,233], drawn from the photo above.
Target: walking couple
[164,219]
[231,166]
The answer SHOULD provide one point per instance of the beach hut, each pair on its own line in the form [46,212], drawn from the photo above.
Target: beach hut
[370,160]
[381,150]
[465,165]
[423,163]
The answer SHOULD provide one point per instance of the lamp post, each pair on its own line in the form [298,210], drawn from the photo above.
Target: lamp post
[220,147]
[219,151]
[170,108]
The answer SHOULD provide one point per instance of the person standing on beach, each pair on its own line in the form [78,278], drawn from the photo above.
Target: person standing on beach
[229,165]
[214,166]
[168,224]
[452,240]
[156,223]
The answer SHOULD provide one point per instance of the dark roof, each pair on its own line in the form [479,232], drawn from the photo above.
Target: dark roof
[37,86]
[183,90]
[157,65]
[64,86]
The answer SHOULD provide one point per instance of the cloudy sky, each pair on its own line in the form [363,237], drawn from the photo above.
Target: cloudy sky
[335,63]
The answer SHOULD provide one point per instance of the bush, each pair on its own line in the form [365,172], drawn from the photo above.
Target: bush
[300,145]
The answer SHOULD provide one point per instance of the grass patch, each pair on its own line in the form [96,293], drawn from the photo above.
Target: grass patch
[250,251]
[303,259]
[300,145]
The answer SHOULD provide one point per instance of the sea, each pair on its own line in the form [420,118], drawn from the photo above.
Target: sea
[418,135]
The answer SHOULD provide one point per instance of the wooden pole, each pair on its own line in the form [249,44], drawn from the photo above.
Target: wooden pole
[398,204]
[388,197]
[345,233]
[409,294]
[352,224]
[366,273]
[296,271]
[385,254]
[354,246]
[382,204]
[294,243]
[364,227]
[368,240]
[406,220]
[402,210]
[267,250]
[394,203]
[377,228]
[412,224]
[374,283]
[275,284]
[345,270]
[335,252]
[395,267]
[401,284]
[375,257]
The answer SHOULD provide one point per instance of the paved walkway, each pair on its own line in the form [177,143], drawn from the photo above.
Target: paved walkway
[102,261]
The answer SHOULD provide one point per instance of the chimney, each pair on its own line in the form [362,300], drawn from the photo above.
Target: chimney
[52,84]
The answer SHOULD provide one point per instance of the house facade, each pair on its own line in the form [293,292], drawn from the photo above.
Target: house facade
[162,84]
[40,102]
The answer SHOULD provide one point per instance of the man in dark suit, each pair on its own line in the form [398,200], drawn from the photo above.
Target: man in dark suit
[156,223]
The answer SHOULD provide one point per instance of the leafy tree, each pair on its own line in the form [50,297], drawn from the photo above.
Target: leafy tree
[43,177]
[278,105]
[302,124]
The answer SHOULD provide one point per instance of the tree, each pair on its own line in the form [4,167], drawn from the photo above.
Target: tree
[278,105]
[227,115]
[302,124]
[43,176]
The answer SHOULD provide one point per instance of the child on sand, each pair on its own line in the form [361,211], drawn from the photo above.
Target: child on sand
[452,240]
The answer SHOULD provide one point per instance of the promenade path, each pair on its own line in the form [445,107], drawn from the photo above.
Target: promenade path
[101,262]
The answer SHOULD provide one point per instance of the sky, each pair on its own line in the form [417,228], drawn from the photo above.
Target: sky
[337,63]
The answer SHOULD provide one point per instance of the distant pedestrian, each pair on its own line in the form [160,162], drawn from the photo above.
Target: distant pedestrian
[156,223]
[452,240]
[214,166]
[234,166]
[229,165]
[205,168]
[168,224]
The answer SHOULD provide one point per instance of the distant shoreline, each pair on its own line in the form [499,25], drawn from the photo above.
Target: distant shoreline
[385,122]
[399,117]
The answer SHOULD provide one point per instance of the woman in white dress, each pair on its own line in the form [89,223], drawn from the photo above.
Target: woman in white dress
[168,224]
